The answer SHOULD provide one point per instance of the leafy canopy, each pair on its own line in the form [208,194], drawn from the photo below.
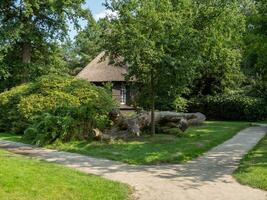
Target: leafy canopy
[156,40]
[221,26]
[30,32]
[255,62]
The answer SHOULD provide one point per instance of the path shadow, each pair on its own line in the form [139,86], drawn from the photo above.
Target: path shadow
[214,165]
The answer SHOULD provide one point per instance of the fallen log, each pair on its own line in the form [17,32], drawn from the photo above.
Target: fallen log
[135,124]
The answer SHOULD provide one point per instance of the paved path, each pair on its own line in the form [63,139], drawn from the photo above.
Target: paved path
[205,178]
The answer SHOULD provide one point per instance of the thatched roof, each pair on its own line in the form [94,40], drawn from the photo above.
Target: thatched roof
[101,70]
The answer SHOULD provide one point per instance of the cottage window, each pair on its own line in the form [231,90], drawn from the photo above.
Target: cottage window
[123,94]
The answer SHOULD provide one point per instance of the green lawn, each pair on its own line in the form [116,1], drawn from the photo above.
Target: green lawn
[158,149]
[24,179]
[253,168]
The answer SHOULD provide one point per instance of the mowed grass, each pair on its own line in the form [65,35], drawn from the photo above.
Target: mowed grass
[253,167]
[23,178]
[159,149]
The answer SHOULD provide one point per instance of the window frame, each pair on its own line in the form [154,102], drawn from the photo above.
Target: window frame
[123,95]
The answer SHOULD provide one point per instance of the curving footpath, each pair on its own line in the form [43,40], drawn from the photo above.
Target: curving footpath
[205,178]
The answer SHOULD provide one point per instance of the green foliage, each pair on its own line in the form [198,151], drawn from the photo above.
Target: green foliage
[221,27]
[157,41]
[180,104]
[28,20]
[162,148]
[45,59]
[87,45]
[55,107]
[10,118]
[30,32]
[48,128]
[184,47]
[36,103]
[230,107]
[255,62]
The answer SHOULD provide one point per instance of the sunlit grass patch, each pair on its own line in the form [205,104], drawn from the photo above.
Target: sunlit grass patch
[253,168]
[24,179]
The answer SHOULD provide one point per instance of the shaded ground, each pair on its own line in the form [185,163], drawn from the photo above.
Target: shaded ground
[205,178]
[158,149]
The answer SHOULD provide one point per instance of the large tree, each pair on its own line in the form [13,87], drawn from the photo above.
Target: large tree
[255,62]
[86,45]
[221,26]
[30,31]
[89,41]
[156,40]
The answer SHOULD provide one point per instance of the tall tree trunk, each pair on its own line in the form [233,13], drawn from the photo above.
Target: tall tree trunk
[152,97]
[26,51]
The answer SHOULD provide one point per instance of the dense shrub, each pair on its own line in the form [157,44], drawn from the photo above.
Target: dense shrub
[47,128]
[230,107]
[10,118]
[55,107]
[35,104]
[180,104]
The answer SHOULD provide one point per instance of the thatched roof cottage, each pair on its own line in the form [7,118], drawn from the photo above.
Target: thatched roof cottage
[100,71]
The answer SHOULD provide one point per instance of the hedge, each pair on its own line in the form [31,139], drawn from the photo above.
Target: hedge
[230,107]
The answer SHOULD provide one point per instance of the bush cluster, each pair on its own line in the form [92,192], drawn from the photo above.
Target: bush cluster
[10,118]
[180,104]
[55,107]
[230,107]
